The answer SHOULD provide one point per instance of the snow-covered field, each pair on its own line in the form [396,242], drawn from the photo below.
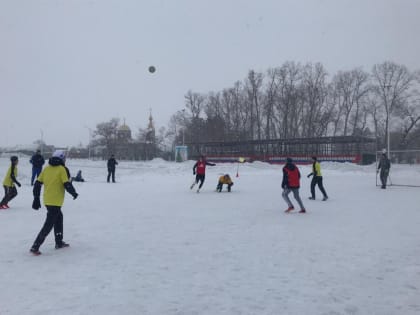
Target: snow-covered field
[149,245]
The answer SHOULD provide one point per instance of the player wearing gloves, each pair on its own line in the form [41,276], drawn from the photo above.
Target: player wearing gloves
[199,170]
[9,182]
[55,178]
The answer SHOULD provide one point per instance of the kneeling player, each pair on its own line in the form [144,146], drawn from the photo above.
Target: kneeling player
[224,179]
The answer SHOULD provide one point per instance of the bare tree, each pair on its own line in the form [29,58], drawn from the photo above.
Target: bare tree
[289,100]
[391,85]
[314,88]
[106,134]
[349,88]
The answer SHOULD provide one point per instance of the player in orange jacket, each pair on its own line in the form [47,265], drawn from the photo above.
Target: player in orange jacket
[224,180]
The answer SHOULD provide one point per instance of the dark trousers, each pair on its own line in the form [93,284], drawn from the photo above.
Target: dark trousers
[317,180]
[111,172]
[220,187]
[384,177]
[9,194]
[200,178]
[35,173]
[54,219]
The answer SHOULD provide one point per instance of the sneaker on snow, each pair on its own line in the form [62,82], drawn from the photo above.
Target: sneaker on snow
[61,245]
[289,209]
[325,198]
[311,198]
[302,211]
[35,251]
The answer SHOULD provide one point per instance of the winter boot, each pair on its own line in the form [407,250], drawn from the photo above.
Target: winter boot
[302,211]
[311,198]
[325,198]
[61,245]
[35,251]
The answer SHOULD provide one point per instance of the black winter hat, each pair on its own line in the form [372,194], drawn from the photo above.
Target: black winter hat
[289,160]
[14,158]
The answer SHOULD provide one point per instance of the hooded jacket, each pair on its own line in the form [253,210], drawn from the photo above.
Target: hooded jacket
[56,178]
[37,160]
[291,176]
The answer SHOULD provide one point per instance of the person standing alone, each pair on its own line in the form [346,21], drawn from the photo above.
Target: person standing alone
[383,167]
[37,161]
[317,179]
[55,178]
[111,168]
[291,183]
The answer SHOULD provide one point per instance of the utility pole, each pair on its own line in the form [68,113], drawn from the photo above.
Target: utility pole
[42,142]
[90,140]
[388,146]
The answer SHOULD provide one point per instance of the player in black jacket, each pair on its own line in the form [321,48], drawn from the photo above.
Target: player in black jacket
[111,168]
[37,161]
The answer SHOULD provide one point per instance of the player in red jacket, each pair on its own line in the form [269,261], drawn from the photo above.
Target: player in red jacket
[291,183]
[199,170]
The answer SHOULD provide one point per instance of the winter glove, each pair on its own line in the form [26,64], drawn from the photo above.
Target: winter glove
[36,204]
[18,184]
[75,195]
[193,172]
[310,174]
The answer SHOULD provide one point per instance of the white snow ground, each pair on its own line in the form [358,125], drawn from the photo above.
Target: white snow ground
[150,245]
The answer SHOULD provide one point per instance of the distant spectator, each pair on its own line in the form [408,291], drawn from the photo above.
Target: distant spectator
[111,168]
[37,161]
[383,167]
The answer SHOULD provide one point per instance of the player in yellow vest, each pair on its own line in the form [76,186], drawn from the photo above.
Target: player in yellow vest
[317,179]
[9,182]
[55,178]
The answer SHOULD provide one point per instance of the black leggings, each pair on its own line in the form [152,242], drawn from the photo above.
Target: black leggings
[111,172]
[54,219]
[317,180]
[200,178]
[9,194]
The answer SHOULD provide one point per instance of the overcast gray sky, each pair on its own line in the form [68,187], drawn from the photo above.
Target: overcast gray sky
[69,64]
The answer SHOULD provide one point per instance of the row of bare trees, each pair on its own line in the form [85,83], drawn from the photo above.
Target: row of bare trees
[296,100]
